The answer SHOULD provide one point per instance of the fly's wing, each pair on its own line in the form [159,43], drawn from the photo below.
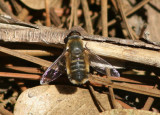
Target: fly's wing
[55,70]
[101,65]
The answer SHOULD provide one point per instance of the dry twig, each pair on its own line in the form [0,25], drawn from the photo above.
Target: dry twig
[96,99]
[119,3]
[125,86]
[129,12]
[20,75]
[104,16]
[48,21]
[87,16]
[25,57]
[149,102]
[111,91]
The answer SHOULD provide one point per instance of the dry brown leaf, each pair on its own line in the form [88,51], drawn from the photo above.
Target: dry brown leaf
[58,100]
[128,112]
[38,4]
[153,13]
[149,15]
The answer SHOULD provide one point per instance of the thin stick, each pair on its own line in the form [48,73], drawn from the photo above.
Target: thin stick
[87,16]
[111,91]
[20,75]
[72,14]
[149,101]
[135,8]
[115,5]
[97,100]
[24,69]
[37,52]
[119,3]
[26,57]
[48,21]
[75,13]
[33,53]
[116,8]
[104,16]
[126,86]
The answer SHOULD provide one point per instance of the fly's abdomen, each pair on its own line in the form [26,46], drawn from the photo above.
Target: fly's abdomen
[78,73]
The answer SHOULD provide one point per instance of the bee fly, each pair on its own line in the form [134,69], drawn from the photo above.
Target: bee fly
[76,60]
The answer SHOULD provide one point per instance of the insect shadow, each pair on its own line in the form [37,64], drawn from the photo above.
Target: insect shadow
[65,89]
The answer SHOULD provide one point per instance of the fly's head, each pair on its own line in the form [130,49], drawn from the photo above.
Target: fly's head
[73,35]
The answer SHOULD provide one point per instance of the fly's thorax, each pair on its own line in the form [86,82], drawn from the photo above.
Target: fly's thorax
[75,46]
